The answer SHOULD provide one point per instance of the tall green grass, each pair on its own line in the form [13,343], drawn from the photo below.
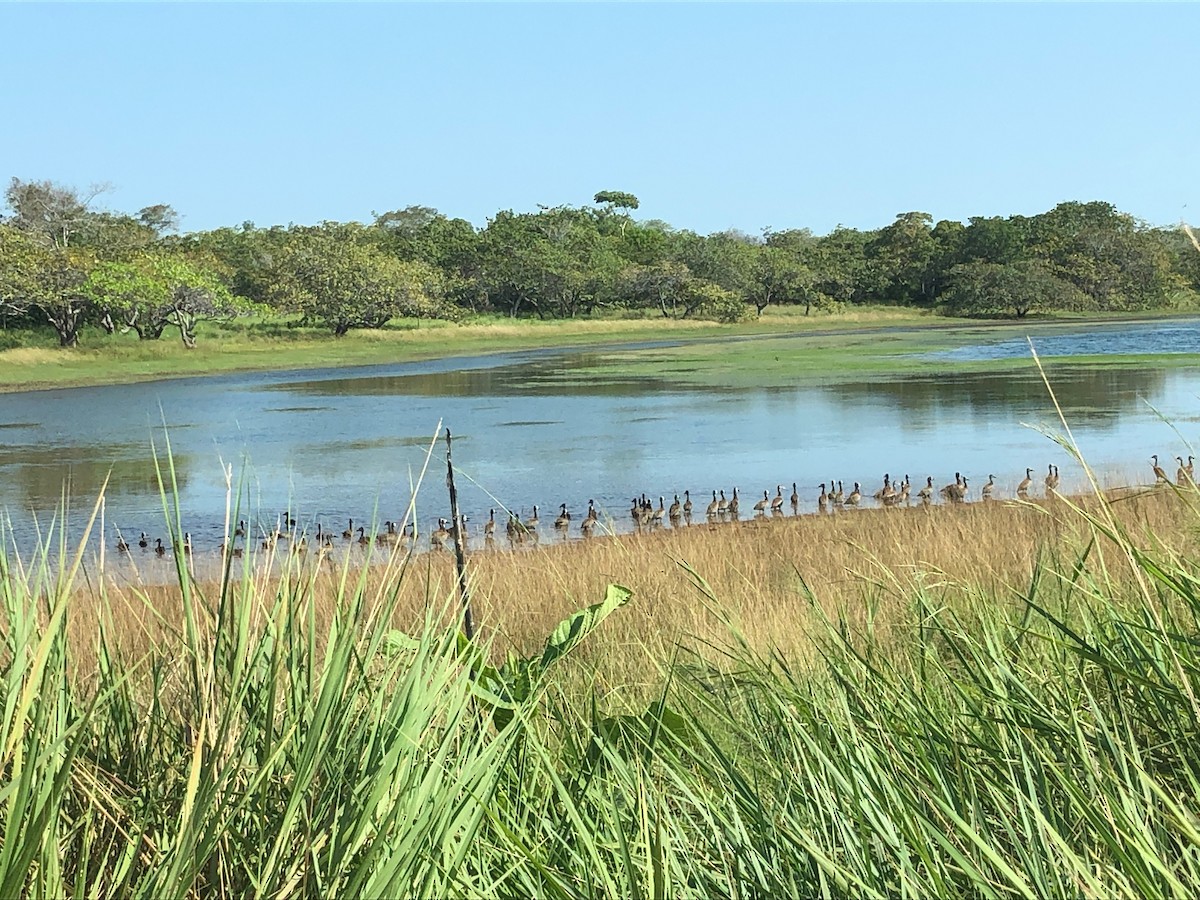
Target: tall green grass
[1035,743]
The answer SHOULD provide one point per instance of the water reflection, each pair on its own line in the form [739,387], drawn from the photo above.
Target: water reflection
[536,375]
[1094,397]
[41,474]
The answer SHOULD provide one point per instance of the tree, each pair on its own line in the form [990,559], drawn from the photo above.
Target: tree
[554,262]
[18,271]
[665,285]
[776,276]
[196,296]
[330,277]
[994,240]
[132,294]
[992,289]
[159,218]
[617,199]
[37,275]
[839,265]
[903,254]
[55,212]
[153,291]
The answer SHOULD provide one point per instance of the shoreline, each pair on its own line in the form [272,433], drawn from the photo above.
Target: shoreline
[397,347]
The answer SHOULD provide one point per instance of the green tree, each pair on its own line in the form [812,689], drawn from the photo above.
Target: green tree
[903,256]
[665,285]
[840,267]
[153,291]
[777,276]
[1016,289]
[332,278]
[552,263]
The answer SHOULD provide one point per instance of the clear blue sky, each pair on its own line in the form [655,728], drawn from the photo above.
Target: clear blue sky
[715,116]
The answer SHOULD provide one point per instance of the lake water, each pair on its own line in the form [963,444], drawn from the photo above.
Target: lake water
[332,445]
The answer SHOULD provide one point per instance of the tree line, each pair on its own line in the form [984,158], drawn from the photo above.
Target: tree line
[64,263]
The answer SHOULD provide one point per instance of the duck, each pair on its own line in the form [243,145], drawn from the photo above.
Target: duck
[1160,476]
[949,490]
[1026,483]
[885,490]
[925,494]
[390,535]
[439,536]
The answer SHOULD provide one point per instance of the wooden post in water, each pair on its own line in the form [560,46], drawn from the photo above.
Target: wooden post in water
[460,545]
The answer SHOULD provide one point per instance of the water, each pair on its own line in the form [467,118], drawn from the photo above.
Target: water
[1169,336]
[539,428]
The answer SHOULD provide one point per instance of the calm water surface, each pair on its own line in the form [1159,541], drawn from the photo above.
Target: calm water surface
[332,445]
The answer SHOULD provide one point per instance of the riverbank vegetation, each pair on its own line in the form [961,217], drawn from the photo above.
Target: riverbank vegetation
[997,700]
[67,267]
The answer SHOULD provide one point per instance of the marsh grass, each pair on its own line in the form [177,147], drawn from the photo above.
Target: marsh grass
[996,700]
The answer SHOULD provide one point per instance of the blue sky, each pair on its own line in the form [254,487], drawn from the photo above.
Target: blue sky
[715,116]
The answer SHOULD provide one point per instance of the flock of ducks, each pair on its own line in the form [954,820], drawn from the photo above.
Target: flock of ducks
[643,512]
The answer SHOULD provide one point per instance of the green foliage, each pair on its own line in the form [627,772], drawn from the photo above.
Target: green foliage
[332,277]
[564,261]
[153,290]
[617,199]
[992,289]
[521,680]
[37,274]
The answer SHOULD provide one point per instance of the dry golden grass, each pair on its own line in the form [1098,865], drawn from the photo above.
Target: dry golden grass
[855,564]
[31,356]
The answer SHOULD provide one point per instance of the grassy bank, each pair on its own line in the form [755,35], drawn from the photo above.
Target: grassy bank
[33,361]
[996,700]
[855,563]
[861,340]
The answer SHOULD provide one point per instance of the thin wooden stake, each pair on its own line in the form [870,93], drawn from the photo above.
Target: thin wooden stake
[460,542]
